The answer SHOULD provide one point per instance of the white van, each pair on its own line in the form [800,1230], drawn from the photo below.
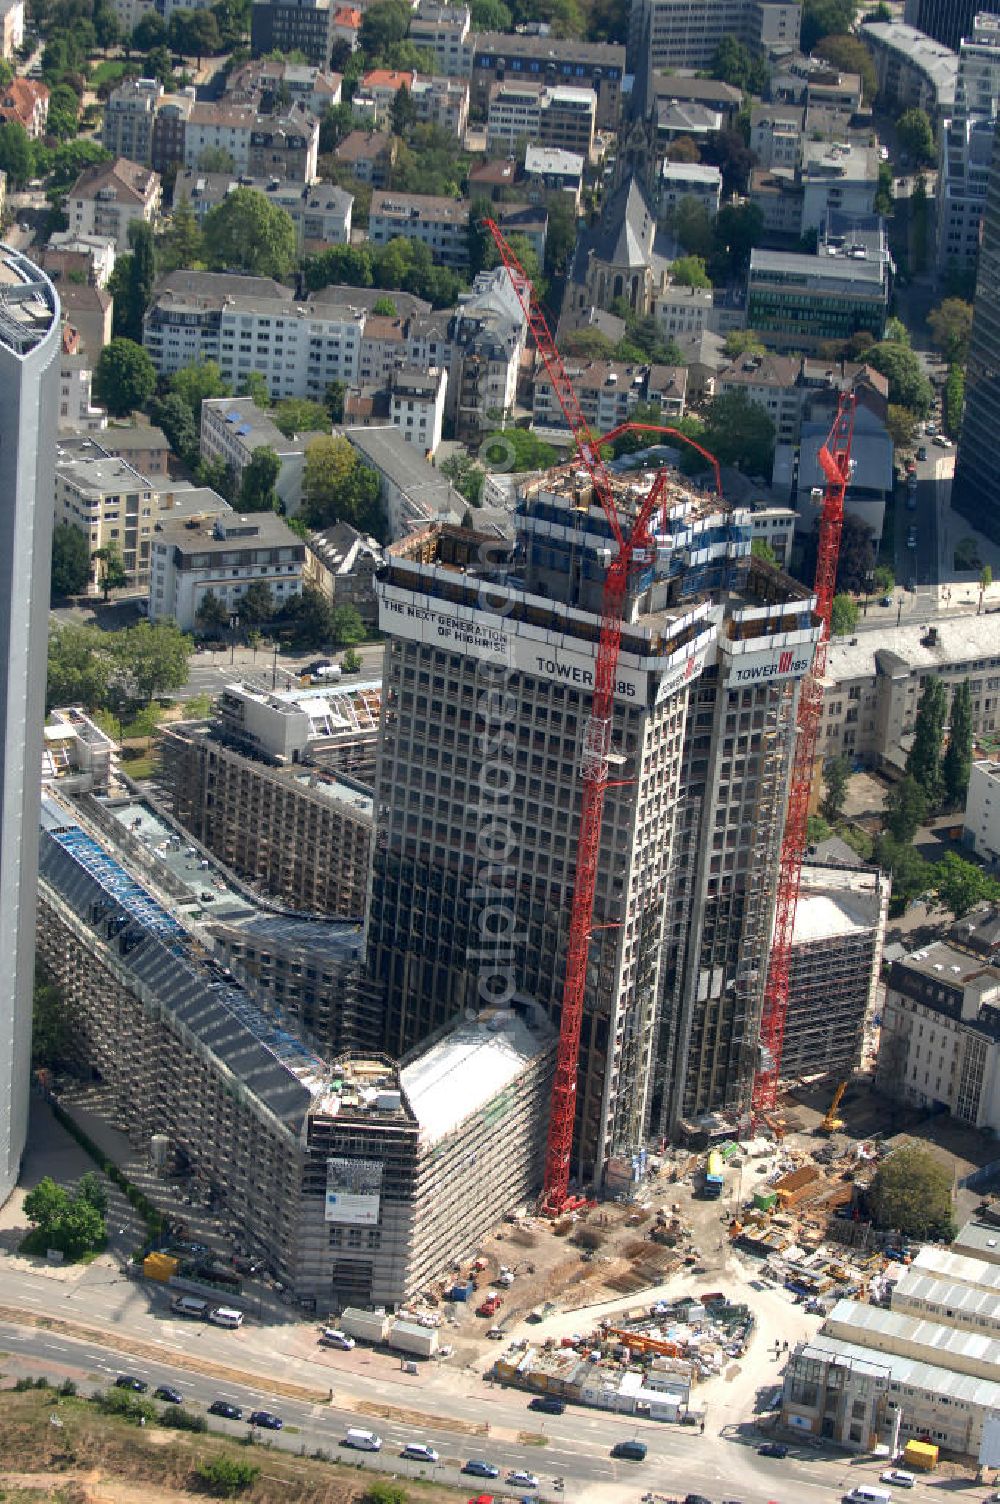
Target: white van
[186,1305]
[225,1316]
[866,1493]
[363,1441]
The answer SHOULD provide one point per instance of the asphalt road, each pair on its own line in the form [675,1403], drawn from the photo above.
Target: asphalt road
[577,1449]
[209,673]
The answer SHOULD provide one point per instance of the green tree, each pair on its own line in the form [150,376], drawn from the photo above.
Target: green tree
[346,626]
[692,224]
[78,668]
[901,425]
[92,1189]
[149,32]
[516,449]
[954,401]
[253,385]
[690,271]
[305,618]
[257,490]
[950,324]
[843,616]
[403,112]
[883,578]
[113,575]
[149,660]
[351,661]
[856,560]
[333,401]
[957,761]
[336,487]
[823,18]
[194,33]
[912,1194]
[761,549]
[227,1476]
[196,383]
[915,135]
[739,432]
[385,307]
[742,342]
[50,1039]
[216,159]
[382,24]
[466,476]
[836,775]
[70,561]
[960,885]
[737,229]
[64,112]
[256,605]
[181,245]
[817,830]
[295,415]
[848,54]
[174,416]
[491,15]
[70,1224]
[124,377]
[908,386]
[212,616]
[923,761]
[16,157]
[246,232]
[132,281]
[383,1492]
[743,67]
[560,240]
[905,810]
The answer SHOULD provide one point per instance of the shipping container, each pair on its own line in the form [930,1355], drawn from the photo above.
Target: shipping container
[922,1455]
[161,1266]
[408,1337]
[370,1326]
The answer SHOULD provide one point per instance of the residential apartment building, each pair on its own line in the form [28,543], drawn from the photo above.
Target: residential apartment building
[127,128]
[110,503]
[320,212]
[976,487]
[416,405]
[170,129]
[30,337]
[106,198]
[688,180]
[838,178]
[370,156]
[608,391]
[679,938]
[673,34]
[293,26]
[947,21]
[441,102]
[234,428]
[940,1041]
[257,145]
[683,310]
[25,102]
[913,70]
[982,811]
[548,169]
[798,302]
[266,81]
[93,255]
[224,557]
[967,148]
[439,223]
[776,133]
[343,563]
[444,30]
[524,111]
[11,27]
[252,323]
[871,690]
[498,57]
[303,833]
[770,382]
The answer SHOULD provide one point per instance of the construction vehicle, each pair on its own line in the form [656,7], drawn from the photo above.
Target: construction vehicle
[631,551]
[835,461]
[832,1123]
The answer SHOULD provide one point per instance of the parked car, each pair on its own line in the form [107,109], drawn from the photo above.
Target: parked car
[930,428]
[922,452]
[419,1451]
[899,1476]
[477,1468]
[265,1419]
[172,1396]
[223,1407]
[522,1479]
[331,1337]
[942,441]
[773,1449]
[129,1381]
[547,1404]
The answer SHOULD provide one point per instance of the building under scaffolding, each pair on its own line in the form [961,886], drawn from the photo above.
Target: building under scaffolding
[302,1160]
[835,963]
[489,676]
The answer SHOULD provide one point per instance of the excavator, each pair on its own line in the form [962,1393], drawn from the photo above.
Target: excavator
[832,1123]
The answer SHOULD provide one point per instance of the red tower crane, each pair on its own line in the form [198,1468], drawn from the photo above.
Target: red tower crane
[835,461]
[597,731]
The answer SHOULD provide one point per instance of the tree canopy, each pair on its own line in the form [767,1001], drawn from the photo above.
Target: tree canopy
[923,761]
[915,135]
[124,377]
[112,670]
[337,487]
[739,432]
[69,1222]
[960,885]
[246,232]
[908,386]
[823,18]
[690,271]
[950,324]
[70,560]
[843,616]
[912,1194]
[848,54]
[257,488]
[957,761]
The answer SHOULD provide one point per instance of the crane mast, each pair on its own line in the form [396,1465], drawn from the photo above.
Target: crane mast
[835,462]
[596,744]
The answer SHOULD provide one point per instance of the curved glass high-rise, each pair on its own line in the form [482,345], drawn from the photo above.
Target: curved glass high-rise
[29,396]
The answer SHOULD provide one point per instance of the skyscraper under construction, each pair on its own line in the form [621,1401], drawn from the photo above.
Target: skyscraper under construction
[491,651]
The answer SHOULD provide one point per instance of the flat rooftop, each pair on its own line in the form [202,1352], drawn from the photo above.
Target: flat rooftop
[929,1378]
[954,642]
[29,306]
[331,708]
[337,789]
[825,916]
[471,1066]
[959,1268]
[205,880]
[942,962]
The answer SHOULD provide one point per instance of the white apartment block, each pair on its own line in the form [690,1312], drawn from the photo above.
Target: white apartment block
[940,1041]
[416,406]
[252,324]
[776,135]
[127,130]
[839,177]
[873,683]
[982,811]
[439,223]
[105,199]
[319,211]
[444,30]
[521,111]
[770,382]
[442,102]
[109,502]
[694,180]
[11,27]
[683,310]
[967,148]
[234,428]
[76,407]
[225,555]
